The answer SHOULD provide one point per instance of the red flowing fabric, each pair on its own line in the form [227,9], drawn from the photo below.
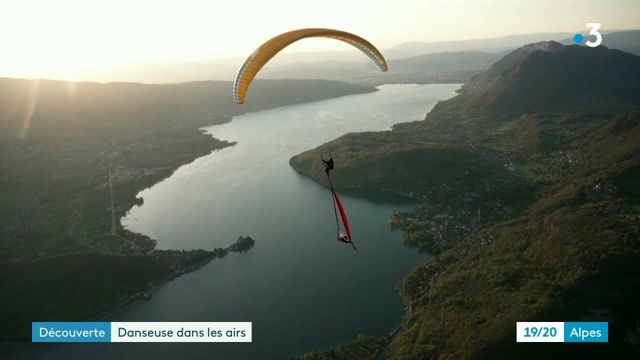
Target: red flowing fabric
[343,215]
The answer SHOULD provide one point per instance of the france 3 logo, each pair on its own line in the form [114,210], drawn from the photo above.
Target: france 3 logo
[579,38]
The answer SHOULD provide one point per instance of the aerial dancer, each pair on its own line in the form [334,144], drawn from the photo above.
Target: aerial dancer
[344,236]
[328,164]
[261,56]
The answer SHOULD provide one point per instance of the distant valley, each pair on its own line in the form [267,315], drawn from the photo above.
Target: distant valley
[412,62]
[73,157]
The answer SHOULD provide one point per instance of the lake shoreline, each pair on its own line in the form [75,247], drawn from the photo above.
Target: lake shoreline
[204,217]
[127,179]
[395,98]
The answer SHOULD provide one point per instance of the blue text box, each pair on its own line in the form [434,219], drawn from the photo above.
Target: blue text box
[68,332]
[586,332]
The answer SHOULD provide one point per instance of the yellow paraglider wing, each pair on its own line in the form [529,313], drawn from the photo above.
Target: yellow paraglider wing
[269,49]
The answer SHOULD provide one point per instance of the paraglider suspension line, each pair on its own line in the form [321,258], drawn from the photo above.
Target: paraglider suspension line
[335,211]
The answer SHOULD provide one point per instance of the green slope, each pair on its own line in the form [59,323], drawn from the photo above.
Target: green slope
[531,207]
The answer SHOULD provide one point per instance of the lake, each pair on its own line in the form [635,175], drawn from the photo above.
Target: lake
[301,288]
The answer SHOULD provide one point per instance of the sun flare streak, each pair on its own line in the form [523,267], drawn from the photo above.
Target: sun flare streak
[32,99]
[72,89]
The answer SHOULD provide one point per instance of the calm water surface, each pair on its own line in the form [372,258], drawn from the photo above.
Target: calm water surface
[301,288]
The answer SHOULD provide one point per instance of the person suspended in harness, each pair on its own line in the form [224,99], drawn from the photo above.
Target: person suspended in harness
[344,236]
[328,164]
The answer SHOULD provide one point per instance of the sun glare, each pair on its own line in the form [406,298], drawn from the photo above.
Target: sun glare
[32,102]
[68,38]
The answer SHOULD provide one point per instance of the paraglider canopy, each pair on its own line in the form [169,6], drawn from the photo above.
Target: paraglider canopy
[269,49]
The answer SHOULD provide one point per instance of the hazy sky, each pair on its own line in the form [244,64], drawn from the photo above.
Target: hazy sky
[63,36]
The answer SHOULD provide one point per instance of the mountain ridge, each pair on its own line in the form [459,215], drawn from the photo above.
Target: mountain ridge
[528,80]
[528,208]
